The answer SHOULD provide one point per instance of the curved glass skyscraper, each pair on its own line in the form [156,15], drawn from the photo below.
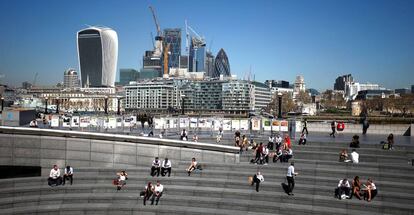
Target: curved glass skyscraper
[221,65]
[98,56]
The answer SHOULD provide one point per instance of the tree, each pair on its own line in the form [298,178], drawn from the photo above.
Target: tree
[303,97]
[287,104]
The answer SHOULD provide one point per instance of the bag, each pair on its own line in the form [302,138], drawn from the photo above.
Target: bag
[250,179]
[115,182]
[386,146]
[142,193]
[199,167]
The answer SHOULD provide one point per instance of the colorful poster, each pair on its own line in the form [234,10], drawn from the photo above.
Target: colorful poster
[266,124]
[75,122]
[54,122]
[284,126]
[244,124]
[184,122]
[276,125]
[66,121]
[193,122]
[256,124]
[226,125]
[85,121]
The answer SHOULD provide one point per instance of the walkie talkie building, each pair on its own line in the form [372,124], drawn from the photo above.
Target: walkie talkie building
[98,56]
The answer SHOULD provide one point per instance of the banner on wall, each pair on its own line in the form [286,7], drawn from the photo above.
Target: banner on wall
[184,122]
[127,121]
[55,121]
[66,121]
[193,122]
[244,124]
[173,123]
[202,123]
[226,125]
[266,124]
[158,123]
[276,125]
[217,124]
[75,122]
[85,121]
[112,123]
[119,122]
[94,121]
[284,126]
[255,124]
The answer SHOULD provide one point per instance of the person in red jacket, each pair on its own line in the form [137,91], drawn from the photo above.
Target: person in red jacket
[287,144]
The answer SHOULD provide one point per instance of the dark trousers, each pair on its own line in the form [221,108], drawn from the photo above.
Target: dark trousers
[257,159]
[333,132]
[302,141]
[276,158]
[285,158]
[147,196]
[291,183]
[56,182]
[156,198]
[67,177]
[164,171]
[155,171]
[257,181]
[344,190]
[305,129]
[270,145]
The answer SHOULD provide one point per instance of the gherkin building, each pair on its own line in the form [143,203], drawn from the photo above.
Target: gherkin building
[221,65]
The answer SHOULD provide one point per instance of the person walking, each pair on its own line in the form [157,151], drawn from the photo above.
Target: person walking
[305,126]
[290,178]
[333,129]
[257,179]
[365,125]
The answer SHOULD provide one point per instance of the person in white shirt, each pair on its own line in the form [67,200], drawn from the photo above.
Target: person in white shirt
[54,177]
[192,167]
[271,142]
[219,135]
[354,156]
[122,177]
[257,178]
[287,154]
[265,155]
[343,189]
[156,167]
[290,178]
[278,141]
[370,190]
[158,189]
[68,175]
[166,167]
[183,135]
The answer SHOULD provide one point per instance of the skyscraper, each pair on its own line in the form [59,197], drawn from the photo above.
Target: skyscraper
[172,36]
[209,64]
[341,82]
[71,79]
[197,57]
[98,56]
[221,65]
[127,75]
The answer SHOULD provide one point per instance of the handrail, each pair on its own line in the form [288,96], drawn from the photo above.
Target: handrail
[118,137]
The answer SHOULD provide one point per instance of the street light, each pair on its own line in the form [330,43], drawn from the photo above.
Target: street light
[46,99]
[2,104]
[118,112]
[279,95]
[106,104]
[57,105]
[182,104]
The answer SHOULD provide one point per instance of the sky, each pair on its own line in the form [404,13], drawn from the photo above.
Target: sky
[274,39]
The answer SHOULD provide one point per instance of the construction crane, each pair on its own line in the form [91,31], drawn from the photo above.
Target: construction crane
[157,25]
[197,39]
[166,53]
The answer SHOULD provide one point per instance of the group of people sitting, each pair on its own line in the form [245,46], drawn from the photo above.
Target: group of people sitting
[158,167]
[354,157]
[153,192]
[274,149]
[120,180]
[55,179]
[366,191]
[184,136]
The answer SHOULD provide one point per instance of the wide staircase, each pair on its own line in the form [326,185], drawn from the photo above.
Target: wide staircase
[224,189]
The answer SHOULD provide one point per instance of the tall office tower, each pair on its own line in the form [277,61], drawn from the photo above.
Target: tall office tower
[197,57]
[98,56]
[172,36]
[71,79]
[221,65]
[341,82]
[209,64]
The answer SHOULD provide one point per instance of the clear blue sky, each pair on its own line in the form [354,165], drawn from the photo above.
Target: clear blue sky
[320,39]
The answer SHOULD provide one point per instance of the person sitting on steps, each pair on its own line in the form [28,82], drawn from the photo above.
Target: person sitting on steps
[122,177]
[370,190]
[343,189]
[343,156]
[192,167]
[68,175]
[155,167]
[355,142]
[148,191]
[156,195]
[356,187]
[54,177]
[166,167]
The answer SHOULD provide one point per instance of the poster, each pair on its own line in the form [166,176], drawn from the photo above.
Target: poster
[202,123]
[284,126]
[256,124]
[94,122]
[119,122]
[217,124]
[128,121]
[244,124]
[266,124]
[66,121]
[112,123]
[235,124]
[75,122]
[85,121]
[226,125]
[184,122]
[55,121]
[173,123]
[276,125]
[193,122]
[158,123]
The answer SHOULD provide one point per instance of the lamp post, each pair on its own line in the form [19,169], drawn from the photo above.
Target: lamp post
[182,104]
[279,95]
[118,112]
[106,104]
[46,99]
[57,105]
[2,104]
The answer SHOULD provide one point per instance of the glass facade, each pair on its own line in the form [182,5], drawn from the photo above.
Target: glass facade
[197,58]
[221,65]
[90,57]
[127,75]
[172,36]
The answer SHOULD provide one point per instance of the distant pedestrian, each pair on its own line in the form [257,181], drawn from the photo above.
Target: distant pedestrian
[156,167]
[302,140]
[305,126]
[183,135]
[166,167]
[365,125]
[195,138]
[390,142]
[333,129]
[257,179]
[290,178]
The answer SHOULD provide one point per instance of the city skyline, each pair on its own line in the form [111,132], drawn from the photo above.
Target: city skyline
[372,40]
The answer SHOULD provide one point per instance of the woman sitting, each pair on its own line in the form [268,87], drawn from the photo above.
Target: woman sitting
[370,190]
[148,191]
[356,187]
[355,142]
[192,167]
[343,155]
[122,177]
[390,142]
